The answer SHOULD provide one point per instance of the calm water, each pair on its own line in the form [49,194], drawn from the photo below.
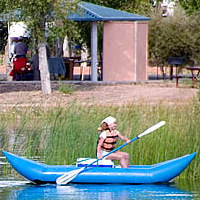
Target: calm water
[23,190]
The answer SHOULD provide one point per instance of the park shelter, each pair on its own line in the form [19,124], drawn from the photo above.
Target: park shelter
[124,42]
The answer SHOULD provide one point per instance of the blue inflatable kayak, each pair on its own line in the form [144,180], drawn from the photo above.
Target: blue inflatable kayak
[40,173]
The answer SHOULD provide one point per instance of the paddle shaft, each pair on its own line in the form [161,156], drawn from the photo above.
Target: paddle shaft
[114,150]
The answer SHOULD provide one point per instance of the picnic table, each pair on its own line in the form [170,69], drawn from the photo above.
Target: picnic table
[194,75]
[195,71]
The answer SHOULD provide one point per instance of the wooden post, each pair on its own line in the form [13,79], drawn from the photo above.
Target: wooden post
[94,51]
[44,69]
[59,47]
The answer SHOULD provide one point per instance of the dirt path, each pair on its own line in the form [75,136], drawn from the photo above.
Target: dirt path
[26,95]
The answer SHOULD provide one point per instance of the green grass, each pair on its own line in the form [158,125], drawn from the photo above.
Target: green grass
[65,88]
[61,135]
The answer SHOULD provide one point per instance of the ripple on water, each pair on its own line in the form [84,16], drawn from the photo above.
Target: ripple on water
[4,184]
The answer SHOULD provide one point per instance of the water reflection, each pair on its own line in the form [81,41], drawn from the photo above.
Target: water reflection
[20,190]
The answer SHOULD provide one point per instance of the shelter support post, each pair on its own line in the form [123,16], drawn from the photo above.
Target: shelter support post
[94,51]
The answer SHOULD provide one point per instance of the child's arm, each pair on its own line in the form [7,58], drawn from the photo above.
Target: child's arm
[124,138]
[99,156]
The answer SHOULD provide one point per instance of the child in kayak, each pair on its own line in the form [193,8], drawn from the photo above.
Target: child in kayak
[107,139]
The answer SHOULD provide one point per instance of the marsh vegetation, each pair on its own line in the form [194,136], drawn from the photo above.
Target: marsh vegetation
[60,135]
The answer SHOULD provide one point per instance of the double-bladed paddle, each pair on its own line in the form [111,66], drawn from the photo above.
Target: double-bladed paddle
[67,177]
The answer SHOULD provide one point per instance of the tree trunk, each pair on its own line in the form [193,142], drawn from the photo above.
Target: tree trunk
[44,69]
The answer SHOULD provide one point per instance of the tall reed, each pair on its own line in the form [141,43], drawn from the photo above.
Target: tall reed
[61,135]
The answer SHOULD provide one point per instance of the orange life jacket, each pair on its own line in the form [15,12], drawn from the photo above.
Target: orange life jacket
[110,141]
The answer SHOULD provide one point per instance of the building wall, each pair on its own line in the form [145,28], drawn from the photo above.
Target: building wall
[125,51]
[142,51]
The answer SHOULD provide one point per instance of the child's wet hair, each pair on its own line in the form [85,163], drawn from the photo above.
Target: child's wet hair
[103,127]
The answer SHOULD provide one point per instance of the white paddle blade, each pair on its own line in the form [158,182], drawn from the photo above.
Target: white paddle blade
[67,177]
[151,129]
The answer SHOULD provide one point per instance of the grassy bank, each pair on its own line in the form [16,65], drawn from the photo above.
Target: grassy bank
[60,135]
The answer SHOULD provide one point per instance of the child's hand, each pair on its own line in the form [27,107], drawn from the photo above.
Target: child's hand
[128,141]
[100,157]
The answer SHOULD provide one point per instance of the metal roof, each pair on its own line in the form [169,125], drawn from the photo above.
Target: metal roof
[91,12]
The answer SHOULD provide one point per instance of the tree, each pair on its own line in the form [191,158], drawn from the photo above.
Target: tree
[126,5]
[3,35]
[173,36]
[191,6]
[40,16]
